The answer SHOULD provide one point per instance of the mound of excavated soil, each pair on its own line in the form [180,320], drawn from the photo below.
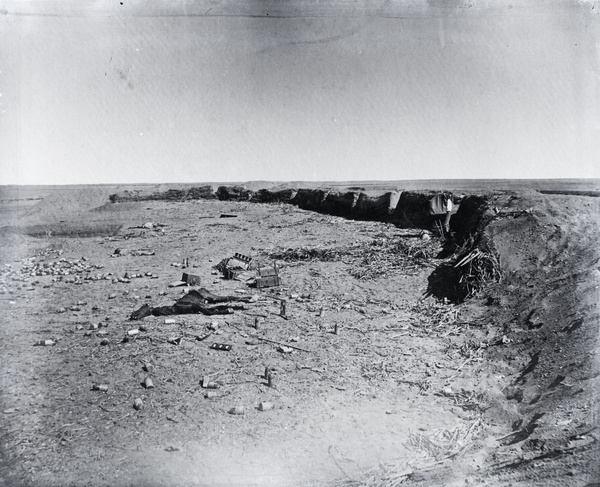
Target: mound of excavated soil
[66,203]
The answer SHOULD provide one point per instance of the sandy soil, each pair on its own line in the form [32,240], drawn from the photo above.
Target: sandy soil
[501,389]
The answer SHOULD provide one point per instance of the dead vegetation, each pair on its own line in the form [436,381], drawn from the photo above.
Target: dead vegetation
[370,259]
[428,450]
[477,269]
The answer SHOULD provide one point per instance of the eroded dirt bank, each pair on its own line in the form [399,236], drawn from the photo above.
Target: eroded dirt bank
[497,389]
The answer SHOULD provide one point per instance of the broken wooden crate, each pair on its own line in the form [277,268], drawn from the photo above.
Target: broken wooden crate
[236,265]
[267,277]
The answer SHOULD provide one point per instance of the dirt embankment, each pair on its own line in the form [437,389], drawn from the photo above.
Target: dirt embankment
[548,306]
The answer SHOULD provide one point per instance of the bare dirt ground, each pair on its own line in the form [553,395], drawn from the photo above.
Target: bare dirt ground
[414,389]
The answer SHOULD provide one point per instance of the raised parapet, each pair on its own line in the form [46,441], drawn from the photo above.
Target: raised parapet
[269,196]
[233,193]
[472,216]
[193,193]
[310,199]
[375,206]
[339,204]
[412,210]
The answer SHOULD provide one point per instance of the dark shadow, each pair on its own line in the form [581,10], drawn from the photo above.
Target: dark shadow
[444,282]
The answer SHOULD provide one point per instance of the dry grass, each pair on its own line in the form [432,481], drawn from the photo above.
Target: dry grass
[429,450]
[478,268]
[442,444]
[371,259]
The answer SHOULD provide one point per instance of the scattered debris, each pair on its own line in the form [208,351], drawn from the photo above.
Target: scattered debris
[149,226]
[234,266]
[190,279]
[138,404]
[238,410]
[118,252]
[283,344]
[267,277]
[203,337]
[442,443]
[221,346]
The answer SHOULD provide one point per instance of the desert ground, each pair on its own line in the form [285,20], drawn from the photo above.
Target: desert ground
[402,358]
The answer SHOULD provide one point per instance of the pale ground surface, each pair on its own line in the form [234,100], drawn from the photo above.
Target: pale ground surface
[402,364]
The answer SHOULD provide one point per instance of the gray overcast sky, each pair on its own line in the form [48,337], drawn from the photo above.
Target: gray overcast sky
[228,90]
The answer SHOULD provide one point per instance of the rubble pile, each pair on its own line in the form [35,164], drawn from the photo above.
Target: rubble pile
[70,271]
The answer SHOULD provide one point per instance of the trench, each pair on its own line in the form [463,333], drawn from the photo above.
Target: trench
[404,209]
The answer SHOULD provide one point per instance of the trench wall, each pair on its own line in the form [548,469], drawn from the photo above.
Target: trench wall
[407,209]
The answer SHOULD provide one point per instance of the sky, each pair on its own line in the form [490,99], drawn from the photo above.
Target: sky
[305,90]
